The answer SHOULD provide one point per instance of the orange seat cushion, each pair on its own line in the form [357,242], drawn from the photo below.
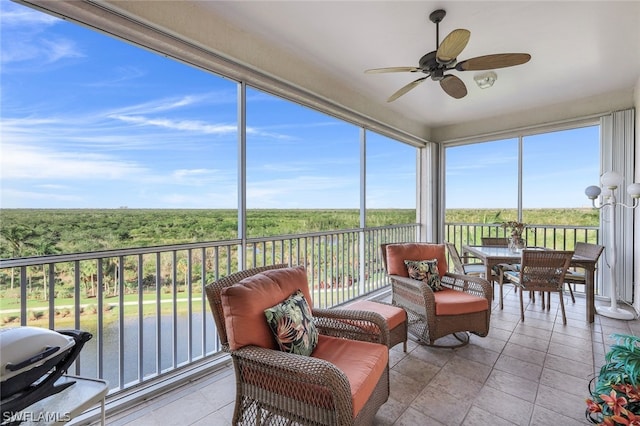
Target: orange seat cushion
[398,253]
[243,304]
[392,314]
[454,302]
[362,362]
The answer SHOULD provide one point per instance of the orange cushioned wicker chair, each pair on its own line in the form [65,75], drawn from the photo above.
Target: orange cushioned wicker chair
[343,381]
[463,304]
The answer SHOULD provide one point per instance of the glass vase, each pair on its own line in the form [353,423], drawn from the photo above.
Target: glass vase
[516,244]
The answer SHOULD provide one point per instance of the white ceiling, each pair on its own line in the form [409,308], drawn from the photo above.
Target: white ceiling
[579,49]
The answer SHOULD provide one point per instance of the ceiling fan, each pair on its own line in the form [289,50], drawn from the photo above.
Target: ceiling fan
[444,58]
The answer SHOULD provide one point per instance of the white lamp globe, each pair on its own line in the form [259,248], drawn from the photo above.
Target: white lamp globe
[611,180]
[592,192]
[634,190]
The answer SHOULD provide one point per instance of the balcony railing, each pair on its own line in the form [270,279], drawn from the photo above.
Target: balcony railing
[556,237]
[148,313]
[145,306]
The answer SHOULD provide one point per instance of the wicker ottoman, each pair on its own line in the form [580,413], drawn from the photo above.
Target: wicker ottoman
[396,319]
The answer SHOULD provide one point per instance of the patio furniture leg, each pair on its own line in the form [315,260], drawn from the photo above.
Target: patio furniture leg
[521,306]
[564,316]
[573,299]
[500,284]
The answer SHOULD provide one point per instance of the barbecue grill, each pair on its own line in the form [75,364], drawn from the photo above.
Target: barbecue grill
[32,360]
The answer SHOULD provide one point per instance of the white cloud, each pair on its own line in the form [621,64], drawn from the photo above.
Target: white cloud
[52,186]
[11,197]
[201,177]
[26,125]
[159,105]
[184,125]
[60,48]
[482,162]
[18,52]
[122,74]
[302,191]
[20,16]
[259,132]
[186,173]
[23,32]
[39,50]
[94,131]
[31,162]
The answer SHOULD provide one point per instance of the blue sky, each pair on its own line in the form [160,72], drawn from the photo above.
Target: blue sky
[92,122]
[557,167]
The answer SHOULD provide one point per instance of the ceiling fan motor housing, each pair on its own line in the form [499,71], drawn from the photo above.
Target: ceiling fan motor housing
[428,62]
[430,65]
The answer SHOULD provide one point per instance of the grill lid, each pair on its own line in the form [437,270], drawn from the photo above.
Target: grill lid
[24,348]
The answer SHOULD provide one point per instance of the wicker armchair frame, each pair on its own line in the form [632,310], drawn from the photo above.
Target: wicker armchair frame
[279,388]
[417,298]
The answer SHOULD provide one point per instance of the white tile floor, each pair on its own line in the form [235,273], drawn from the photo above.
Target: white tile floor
[523,373]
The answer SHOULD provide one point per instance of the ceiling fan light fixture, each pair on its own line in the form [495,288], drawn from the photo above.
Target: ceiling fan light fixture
[485,80]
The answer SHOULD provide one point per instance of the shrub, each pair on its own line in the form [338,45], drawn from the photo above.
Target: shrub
[35,315]
[64,293]
[7,319]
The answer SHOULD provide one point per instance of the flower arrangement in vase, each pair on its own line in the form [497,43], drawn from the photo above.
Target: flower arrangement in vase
[516,229]
[615,393]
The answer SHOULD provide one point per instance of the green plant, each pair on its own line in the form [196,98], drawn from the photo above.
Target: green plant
[516,228]
[615,397]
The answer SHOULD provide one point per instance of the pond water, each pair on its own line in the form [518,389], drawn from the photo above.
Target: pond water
[166,357]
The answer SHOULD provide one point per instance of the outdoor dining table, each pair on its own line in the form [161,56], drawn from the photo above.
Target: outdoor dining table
[492,256]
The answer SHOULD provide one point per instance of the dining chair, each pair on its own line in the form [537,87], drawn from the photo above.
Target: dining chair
[471,269]
[495,241]
[578,275]
[544,271]
[459,265]
[495,273]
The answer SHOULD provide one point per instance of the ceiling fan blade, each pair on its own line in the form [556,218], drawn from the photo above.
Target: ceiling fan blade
[490,62]
[452,45]
[392,69]
[453,86]
[405,89]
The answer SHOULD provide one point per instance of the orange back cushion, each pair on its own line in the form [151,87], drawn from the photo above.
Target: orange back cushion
[243,304]
[398,253]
